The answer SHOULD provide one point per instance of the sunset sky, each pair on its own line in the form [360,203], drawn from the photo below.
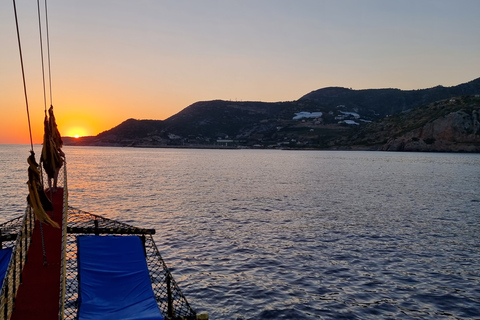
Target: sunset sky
[115,59]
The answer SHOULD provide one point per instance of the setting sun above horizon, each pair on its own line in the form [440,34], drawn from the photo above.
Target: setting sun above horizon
[76,132]
[76,122]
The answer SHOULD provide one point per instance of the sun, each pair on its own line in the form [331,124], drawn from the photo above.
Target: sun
[76,126]
[76,132]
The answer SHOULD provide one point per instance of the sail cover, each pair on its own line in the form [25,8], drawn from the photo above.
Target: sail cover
[114,282]
[5,255]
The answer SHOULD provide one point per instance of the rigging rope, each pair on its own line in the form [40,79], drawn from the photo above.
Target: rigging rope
[35,188]
[23,74]
[41,56]
[48,54]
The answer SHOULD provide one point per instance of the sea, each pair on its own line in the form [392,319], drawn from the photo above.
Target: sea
[278,234]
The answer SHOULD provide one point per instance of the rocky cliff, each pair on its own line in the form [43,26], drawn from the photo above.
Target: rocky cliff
[451,125]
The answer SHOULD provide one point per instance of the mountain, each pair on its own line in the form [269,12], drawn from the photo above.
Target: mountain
[382,102]
[327,118]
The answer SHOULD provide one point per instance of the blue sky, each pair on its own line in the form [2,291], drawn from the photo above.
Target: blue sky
[150,59]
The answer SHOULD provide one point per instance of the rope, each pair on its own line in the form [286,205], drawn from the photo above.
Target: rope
[25,93]
[48,54]
[23,74]
[45,107]
[41,56]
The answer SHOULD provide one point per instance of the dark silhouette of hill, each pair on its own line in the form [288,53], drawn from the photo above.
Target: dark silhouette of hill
[342,111]
[132,128]
[379,103]
[220,118]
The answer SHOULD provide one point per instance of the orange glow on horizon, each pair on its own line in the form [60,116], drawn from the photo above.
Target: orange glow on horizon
[78,124]
[82,117]
[76,132]
[71,122]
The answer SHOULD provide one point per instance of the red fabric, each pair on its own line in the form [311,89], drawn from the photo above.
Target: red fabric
[38,295]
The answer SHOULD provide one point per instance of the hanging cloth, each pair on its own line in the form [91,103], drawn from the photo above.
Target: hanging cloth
[51,155]
[37,198]
[56,137]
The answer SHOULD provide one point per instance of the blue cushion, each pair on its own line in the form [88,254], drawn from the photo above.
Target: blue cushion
[114,282]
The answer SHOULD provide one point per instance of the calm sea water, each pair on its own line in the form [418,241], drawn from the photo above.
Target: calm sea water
[256,234]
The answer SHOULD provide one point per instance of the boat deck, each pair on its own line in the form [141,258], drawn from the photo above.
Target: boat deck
[38,295]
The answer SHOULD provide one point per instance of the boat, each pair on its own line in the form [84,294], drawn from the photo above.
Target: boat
[59,262]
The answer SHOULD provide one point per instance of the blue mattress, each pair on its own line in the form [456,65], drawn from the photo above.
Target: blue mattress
[5,255]
[114,282]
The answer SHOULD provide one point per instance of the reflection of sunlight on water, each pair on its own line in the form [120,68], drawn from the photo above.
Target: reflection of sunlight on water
[258,234]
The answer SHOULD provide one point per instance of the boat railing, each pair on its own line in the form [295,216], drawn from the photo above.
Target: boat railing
[15,234]
[63,266]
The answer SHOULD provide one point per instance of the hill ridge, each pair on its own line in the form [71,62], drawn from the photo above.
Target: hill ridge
[321,119]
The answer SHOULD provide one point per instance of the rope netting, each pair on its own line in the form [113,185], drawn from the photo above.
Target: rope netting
[170,299]
[16,235]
